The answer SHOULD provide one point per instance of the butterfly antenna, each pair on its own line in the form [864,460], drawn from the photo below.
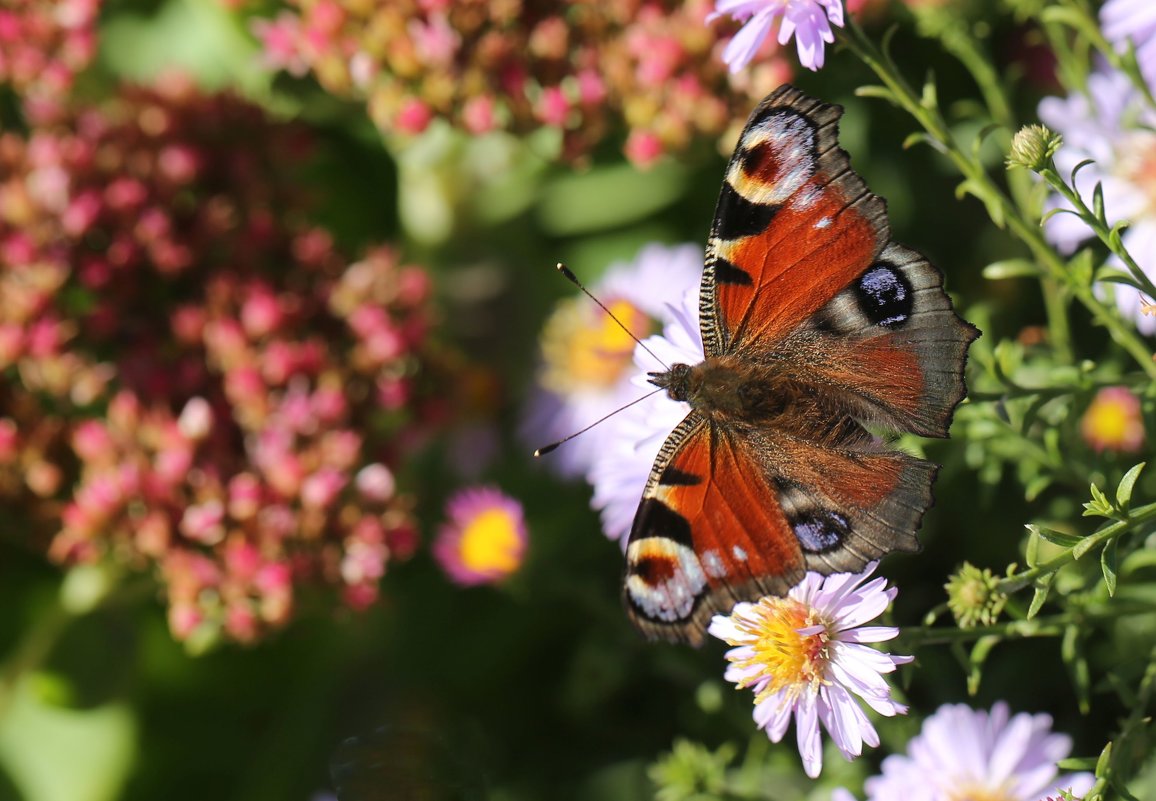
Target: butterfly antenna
[566,271]
[554,445]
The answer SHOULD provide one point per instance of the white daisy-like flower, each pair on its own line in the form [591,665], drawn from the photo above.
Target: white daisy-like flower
[1113,127]
[964,753]
[633,437]
[587,358]
[806,657]
[1135,20]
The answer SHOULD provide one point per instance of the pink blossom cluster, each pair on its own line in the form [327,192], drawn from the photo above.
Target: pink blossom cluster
[582,67]
[43,45]
[192,381]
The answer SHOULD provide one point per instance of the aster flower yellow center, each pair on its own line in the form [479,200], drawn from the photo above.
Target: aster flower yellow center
[791,660]
[588,350]
[1137,163]
[1113,421]
[971,792]
[490,542]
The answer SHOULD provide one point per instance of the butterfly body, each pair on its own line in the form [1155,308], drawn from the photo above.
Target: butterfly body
[817,329]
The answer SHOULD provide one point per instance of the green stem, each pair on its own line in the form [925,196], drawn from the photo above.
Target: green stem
[1036,627]
[1101,229]
[1135,518]
[999,205]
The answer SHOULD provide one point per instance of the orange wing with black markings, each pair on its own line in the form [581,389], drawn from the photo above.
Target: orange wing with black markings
[816,328]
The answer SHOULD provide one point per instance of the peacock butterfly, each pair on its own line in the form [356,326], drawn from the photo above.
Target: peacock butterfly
[816,329]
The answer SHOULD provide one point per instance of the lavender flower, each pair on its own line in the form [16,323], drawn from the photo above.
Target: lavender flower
[632,439]
[484,539]
[1134,20]
[809,21]
[586,357]
[1114,128]
[967,753]
[805,657]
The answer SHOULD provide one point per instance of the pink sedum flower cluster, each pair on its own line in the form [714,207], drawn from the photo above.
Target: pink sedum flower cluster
[580,67]
[43,45]
[194,382]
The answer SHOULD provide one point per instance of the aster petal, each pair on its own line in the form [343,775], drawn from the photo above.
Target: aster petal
[843,720]
[807,731]
[774,715]
[746,42]
[869,634]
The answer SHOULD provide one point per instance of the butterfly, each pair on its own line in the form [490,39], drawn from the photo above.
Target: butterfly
[817,330]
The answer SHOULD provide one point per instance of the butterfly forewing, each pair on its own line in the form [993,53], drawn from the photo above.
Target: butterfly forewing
[824,329]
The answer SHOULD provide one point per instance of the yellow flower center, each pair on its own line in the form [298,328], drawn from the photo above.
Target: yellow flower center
[969,792]
[1137,163]
[789,659]
[1113,422]
[490,543]
[585,349]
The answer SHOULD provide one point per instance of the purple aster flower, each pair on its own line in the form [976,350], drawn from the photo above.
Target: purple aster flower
[587,358]
[484,539]
[805,656]
[633,437]
[809,21]
[1112,126]
[966,753]
[1135,20]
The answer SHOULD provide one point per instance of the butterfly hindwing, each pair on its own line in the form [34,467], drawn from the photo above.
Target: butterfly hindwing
[703,530]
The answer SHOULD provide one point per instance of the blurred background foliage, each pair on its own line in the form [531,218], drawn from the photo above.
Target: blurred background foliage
[540,688]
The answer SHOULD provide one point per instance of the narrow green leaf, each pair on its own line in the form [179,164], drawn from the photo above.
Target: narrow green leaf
[917,138]
[1077,168]
[1108,565]
[1043,588]
[1035,487]
[975,660]
[880,92]
[1073,656]
[1098,200]
[1011,268]
[1124,491]
[1063,539]
[1082,547]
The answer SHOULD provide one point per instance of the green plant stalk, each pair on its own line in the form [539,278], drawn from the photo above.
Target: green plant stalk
[999,206]
[959,42]
[1136,517]
[1101,229]
[916,637]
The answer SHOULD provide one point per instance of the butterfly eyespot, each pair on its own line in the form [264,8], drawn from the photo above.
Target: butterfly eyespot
[820,530]
[664,579]
[885,296]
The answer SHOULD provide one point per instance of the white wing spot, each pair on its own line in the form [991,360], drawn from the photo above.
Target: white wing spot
[739,553]
[823,222]
[671,599]
[712,563]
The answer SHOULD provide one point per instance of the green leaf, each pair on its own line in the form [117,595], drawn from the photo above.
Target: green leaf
[1077,168]
[975,660]
[1043,588]
[1035,487]
[608,197]
[56,754]
[1099,506]
[1124,491]
[1011,268]
[1082,547]
[1060,538]
[1108,559]
[1073,656]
